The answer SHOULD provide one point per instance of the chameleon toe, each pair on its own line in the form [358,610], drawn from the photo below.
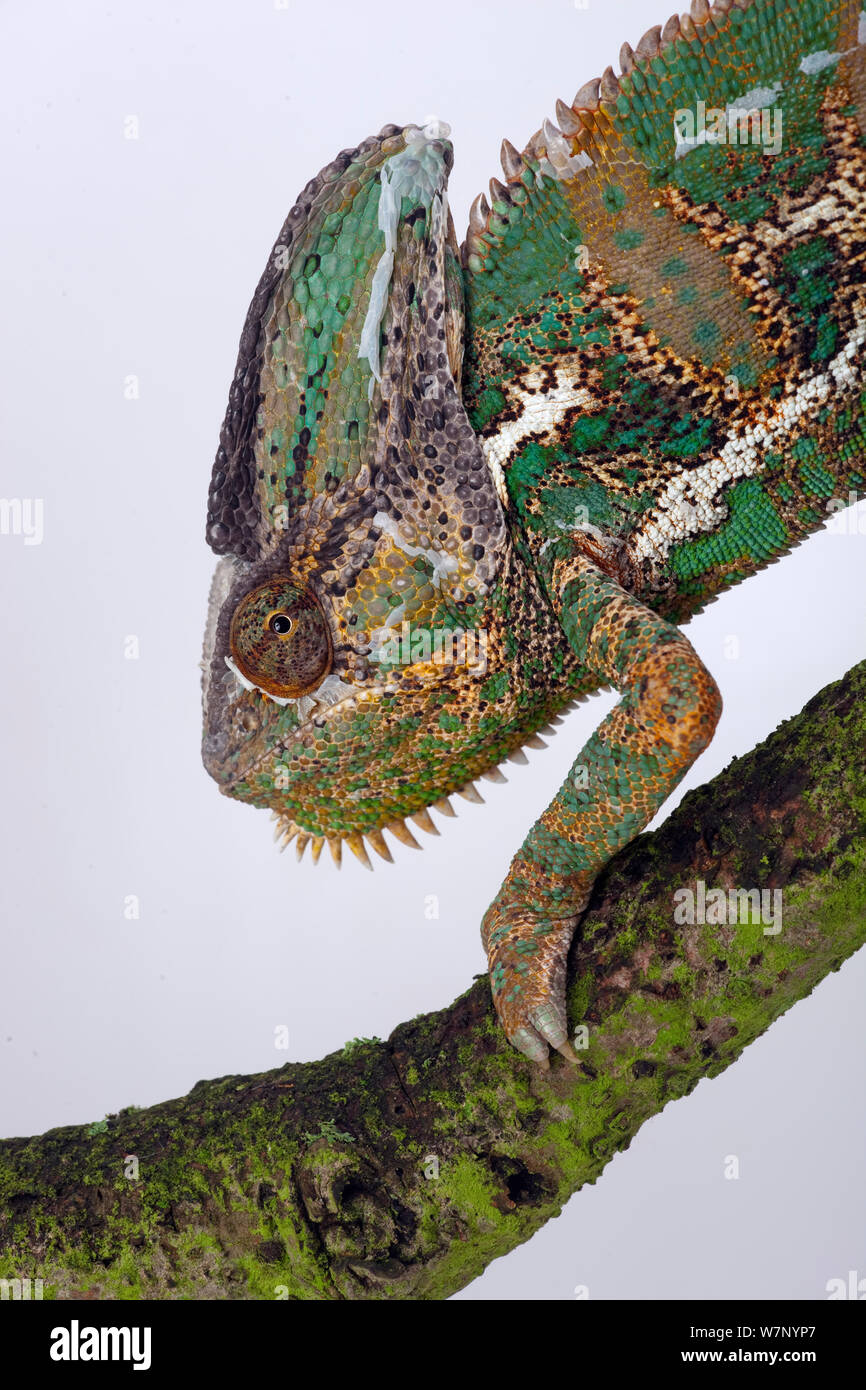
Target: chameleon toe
[549,1020]
[527,1041]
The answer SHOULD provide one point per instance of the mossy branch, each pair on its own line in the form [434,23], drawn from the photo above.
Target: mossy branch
[399,1169]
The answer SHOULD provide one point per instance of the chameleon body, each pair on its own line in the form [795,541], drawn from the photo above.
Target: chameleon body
[458,489]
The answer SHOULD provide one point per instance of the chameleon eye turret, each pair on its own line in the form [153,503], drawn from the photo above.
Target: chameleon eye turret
[279,639]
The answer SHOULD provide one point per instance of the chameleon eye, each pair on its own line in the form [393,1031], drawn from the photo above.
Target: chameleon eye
[279,639]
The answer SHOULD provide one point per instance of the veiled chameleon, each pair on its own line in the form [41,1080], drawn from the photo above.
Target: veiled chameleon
[458,488]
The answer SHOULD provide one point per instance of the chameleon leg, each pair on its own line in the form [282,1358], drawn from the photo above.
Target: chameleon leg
[667,715]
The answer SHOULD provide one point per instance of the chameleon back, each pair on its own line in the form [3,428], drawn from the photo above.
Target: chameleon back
[665,302]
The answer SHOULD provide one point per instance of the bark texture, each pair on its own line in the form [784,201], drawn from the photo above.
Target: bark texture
[399,1169]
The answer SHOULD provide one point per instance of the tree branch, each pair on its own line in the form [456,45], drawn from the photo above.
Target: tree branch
[309,1182]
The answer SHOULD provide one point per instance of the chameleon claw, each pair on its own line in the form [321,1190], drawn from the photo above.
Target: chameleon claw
[533,1041]
[528,971]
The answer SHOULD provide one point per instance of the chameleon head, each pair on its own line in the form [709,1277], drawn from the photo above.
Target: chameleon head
[361,535]
[279,640]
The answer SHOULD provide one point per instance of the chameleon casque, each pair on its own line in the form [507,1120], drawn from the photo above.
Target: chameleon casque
[637,382]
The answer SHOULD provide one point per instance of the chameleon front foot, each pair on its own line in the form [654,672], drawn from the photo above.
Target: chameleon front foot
[527,958]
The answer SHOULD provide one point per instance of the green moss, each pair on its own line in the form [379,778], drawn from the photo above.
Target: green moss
[466,1182]
[355,1045]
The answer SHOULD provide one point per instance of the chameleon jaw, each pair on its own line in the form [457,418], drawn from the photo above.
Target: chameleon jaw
[286,830]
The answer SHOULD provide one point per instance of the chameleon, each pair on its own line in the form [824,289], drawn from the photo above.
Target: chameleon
[461,487]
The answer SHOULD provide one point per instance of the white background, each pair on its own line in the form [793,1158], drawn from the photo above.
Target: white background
[139,257]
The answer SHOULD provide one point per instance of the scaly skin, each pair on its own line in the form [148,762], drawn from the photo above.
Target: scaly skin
[621,777]
[639,382]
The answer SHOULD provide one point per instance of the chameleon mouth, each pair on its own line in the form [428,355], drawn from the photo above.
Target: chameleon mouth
[330,695]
